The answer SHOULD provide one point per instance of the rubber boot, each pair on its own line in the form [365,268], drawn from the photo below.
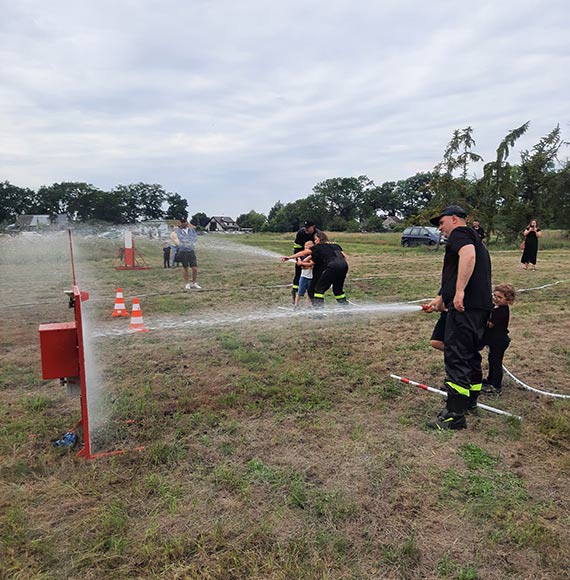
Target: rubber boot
[453,418]
[472,405]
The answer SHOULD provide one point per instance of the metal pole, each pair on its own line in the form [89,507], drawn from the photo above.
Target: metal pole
[444,395]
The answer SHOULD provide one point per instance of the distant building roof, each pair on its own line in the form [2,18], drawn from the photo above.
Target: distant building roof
[30,220]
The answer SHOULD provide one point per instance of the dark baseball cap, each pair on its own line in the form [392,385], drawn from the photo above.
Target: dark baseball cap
[449,210]
[308,223]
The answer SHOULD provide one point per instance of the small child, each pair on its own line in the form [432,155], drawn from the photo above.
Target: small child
[166,254]
[306,274]
[497,337]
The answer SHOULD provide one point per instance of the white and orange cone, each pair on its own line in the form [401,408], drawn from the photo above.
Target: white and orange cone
[120,309]
[137,324]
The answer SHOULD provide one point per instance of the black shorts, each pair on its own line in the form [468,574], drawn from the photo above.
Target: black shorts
[439,328]
[186,258]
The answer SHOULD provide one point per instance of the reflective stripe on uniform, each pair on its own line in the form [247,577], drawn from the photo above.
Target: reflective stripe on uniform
[319,295]
[295,287]
[340,296]
[458,388]
[476,387]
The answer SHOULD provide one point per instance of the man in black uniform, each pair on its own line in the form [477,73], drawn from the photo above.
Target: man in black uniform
[466,294]
[477,227]
[305,234]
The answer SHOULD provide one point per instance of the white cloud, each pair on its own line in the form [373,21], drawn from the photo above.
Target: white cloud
[237,105]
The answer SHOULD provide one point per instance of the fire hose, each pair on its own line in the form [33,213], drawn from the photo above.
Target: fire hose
[444,395]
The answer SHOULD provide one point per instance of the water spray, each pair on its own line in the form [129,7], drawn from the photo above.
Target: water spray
[444,395]
[62,347]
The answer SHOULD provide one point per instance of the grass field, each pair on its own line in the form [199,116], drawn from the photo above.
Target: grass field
[277,446]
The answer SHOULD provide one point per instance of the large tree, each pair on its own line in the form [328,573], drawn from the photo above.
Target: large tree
[344,195]
[497,186]
[458,155]
[200,219]
[14,201]
[254,220]
[414,194]
[177,207]
[141,201]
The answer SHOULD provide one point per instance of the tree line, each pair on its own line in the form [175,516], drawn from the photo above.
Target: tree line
[504,198]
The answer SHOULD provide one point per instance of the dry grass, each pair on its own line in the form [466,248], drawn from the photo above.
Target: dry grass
[278,448]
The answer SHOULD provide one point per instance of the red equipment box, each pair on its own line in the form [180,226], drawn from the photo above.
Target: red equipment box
[59,350]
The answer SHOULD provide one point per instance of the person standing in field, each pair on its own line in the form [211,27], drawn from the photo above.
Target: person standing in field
[531,234]
[305,234]
[330,268]
[306,277]
[466,295]
[184,238]
[496,337]
[166,255]
[477,227]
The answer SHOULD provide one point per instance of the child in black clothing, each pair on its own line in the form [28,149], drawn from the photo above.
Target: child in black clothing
[497,337]
[166,254]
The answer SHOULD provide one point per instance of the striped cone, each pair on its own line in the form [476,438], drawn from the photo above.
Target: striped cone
[137,324]
[120,309]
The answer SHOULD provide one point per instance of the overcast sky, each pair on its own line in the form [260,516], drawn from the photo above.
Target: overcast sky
[238,104]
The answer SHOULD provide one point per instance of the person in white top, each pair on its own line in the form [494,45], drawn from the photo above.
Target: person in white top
[184,239]
[306,264]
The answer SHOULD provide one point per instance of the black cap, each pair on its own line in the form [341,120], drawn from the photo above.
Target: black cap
[308,223]
[449,210]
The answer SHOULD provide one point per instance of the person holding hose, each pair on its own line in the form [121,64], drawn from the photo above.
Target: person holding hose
[304,235]
[330,268]
[466,294]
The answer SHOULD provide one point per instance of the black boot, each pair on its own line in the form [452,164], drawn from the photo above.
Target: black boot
[472,404]
[453,417]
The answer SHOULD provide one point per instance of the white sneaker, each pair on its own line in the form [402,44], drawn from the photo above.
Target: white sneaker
[188,286]
[195,286]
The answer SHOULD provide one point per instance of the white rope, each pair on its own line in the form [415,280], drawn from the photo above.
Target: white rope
[524,385]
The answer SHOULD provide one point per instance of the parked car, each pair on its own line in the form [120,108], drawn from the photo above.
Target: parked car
[421,235]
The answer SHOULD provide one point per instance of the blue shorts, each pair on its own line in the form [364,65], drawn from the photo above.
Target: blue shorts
[304,284]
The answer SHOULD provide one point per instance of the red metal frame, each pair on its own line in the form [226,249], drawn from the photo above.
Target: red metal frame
[78,298]
[130,256]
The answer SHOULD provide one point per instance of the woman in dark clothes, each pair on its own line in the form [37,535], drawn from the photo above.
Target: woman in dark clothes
[531,235]
[330,268]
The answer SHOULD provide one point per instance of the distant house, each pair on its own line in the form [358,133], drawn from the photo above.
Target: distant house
[391,221]
[221,224]
[28,221]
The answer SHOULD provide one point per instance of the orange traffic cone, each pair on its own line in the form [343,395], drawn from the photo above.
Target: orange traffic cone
[137,324]
[120,308]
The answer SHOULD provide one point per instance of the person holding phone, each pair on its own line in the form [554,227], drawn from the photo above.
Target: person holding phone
[531,234]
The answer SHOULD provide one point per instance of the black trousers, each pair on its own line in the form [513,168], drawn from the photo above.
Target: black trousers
[495,358]
[462,343]
[333,275]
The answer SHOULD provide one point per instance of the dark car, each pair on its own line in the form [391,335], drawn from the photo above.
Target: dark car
[421,235]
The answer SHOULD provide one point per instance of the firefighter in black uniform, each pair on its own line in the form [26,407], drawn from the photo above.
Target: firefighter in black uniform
[466,294]
[305,234]
[330,269]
